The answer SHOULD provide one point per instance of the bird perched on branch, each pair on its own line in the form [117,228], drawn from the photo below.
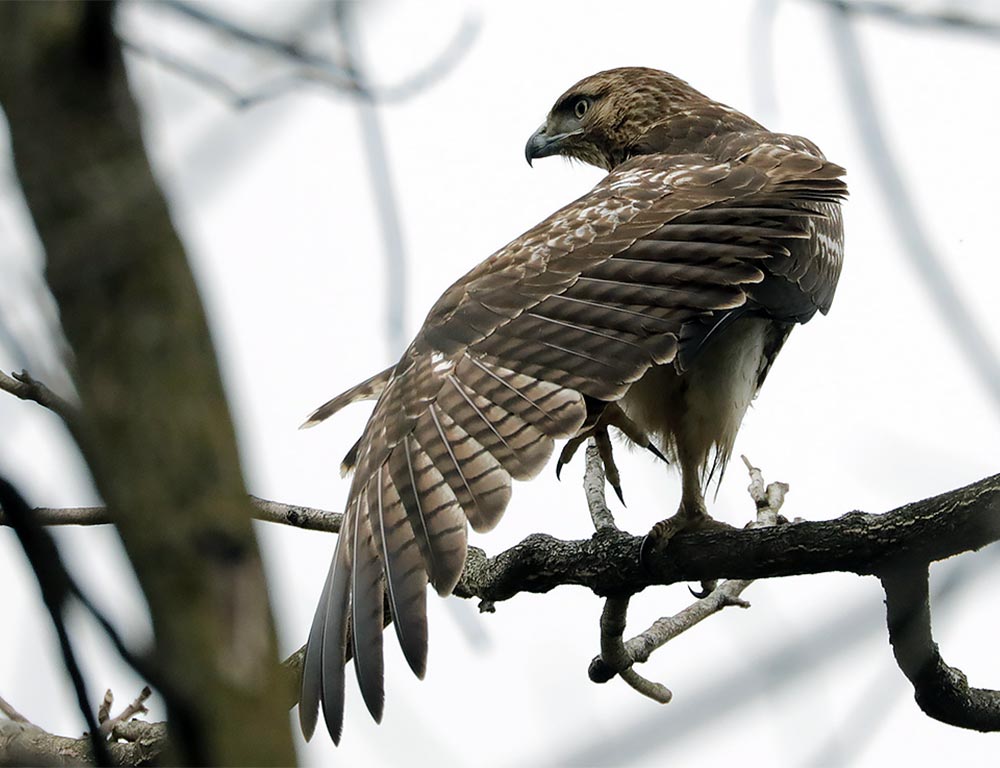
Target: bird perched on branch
[655,303]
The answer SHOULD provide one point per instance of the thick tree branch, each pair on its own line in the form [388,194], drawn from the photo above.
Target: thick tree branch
[27,744]
[941,691]
[153,424]
[124,741]
[618,656]
[958,521]
[962,520]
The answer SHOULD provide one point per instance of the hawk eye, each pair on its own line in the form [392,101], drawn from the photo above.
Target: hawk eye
[580,108]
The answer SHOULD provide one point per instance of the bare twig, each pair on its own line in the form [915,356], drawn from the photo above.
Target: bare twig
[307,518]
[593,488]
[10,712]
[614,653]
[137,707]
[941,691]
[22,385]
[104,711]
[637,650]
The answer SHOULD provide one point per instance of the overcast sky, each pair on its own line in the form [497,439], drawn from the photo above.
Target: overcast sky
[867,408]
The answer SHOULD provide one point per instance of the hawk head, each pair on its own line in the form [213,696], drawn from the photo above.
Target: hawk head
[607,118]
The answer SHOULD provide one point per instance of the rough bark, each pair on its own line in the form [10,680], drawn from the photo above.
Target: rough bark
[154,426]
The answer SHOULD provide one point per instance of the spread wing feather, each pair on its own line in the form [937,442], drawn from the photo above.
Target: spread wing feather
[637,272]
[369,389]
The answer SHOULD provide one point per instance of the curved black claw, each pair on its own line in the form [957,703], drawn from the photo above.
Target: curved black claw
[618,492]
[658,536]
[568,452]
[656,452]
[603,442]
[646,552]
[707,588]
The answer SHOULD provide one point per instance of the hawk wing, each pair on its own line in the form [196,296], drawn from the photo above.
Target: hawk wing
[626,277]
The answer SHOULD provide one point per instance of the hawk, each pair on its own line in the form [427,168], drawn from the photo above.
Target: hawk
[655,303]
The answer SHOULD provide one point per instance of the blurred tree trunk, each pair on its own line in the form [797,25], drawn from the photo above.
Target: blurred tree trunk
[155,427]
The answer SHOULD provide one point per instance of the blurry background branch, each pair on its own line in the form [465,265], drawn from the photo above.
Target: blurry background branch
[904,13]
[346,76]
[154,426]
[315,67]
[927,262]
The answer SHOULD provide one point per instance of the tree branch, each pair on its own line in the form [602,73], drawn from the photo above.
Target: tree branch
[962,520]
[958,521]
[154,425]
[295,515]
[27,744]
[55,586]
[942,692]
[25,387]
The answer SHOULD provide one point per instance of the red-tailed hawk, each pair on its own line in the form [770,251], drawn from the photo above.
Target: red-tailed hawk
[656,302]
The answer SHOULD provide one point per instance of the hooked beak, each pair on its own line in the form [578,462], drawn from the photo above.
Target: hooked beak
[542,144]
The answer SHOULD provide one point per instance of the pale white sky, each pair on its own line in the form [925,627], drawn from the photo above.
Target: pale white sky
[867,408]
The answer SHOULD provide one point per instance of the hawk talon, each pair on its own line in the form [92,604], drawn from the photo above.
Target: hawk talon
[658,535]
[568,452]
[707,588]
[603,442]
[656,452]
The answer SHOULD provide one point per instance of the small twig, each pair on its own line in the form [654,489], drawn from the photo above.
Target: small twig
[307,518]
[12,713]
[593,488]
[663,630]
[104,711]
[22,385]
[613,651]
[137,707]
[617,657]
[295,515]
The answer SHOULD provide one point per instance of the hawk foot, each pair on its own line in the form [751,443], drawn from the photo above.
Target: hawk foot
[612,415]
[661,533]
[603,442]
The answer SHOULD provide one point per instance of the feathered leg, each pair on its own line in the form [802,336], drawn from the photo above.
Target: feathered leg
[692,515]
